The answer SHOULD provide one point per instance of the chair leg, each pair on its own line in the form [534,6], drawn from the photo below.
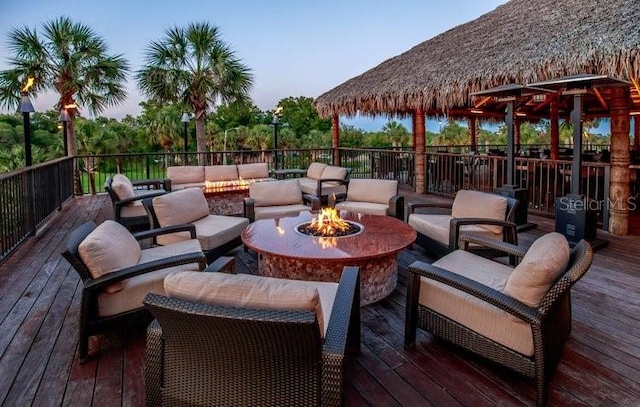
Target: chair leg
[83,346]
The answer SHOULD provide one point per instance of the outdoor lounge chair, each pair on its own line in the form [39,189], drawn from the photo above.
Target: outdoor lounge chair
[373,197]
[126,198]
[517,317]
[275,199]
[474,212]
[116,274]
[245,340]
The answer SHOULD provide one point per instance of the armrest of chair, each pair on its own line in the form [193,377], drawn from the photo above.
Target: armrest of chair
[157,183]
[142,268]
[249,208]
[510,229]
[147,234]
[396,207]
[127,201]
[505,247]
[311,200]
[339,181]
[412,206]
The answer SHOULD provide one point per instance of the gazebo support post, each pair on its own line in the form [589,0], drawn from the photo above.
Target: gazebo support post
[472,133]
[555,127]
[419,132]
[335,138]
[511,189]
[619,191]
[413,132]
[636,133]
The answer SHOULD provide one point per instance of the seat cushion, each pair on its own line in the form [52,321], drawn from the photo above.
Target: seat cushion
[369,208]
[276,193]
[185,174]
[174,249]
[108,248]
[315,170]
[472,312]
[133,210]
[372,190]
[212,231]
[249,291]
[437,227]
[185,206]
[220,172]
[474,204]
[271,212]
[545,261]
[178,187]
[253,171]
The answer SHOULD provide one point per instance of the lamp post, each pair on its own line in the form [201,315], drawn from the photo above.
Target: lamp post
[26,108]
[224,144]
[275,122]
[185,121]
[64,118]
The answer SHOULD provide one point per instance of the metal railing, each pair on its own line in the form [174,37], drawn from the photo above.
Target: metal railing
[28,197]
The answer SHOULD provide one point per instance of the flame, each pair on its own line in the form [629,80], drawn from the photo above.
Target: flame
[278,111]
[28,85]
[328,222]
[327,242]
[71,106]
[229,185]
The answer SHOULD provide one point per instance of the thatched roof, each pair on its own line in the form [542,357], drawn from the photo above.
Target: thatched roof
[522,41]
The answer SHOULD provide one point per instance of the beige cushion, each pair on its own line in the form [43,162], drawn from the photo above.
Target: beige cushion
[364,207]
[372,190]
[315,170]
[108,248]
[281,211]
[544,263]
[472,312]
[175,249]
[310,186]
[185,174]
[437,227]
[212,231]
[132,210]
[178,187]
[276,193]
[474,204]
[124,178]
[334,172]
[250,171]
[220,172]
[247,291]
[180,207]
[122,188]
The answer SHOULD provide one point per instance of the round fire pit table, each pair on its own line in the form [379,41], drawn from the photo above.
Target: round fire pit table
[286,253]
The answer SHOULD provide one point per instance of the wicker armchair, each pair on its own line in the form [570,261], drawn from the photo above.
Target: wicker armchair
[126,198]
[103,311]
[440,234]
[541,329]
[203,354]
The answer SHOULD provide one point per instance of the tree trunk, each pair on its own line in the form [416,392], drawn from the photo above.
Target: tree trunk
[335,138]
[200,137]
[71,137]
[419,134]
[619,191]
[555,127]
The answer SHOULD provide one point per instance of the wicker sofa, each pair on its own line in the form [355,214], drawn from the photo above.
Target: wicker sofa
[188,176]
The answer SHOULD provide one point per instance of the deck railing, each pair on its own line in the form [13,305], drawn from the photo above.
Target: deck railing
[28,197]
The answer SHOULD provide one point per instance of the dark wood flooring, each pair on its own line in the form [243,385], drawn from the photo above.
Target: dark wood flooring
[39,299]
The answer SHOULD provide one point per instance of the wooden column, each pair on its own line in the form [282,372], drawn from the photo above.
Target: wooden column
[555,127]
[636,133]
[335,138]
[419,132]
[619,191]
[413,132]
[516,135]
[473,121]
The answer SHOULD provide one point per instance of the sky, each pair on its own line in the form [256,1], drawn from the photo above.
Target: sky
[293,47]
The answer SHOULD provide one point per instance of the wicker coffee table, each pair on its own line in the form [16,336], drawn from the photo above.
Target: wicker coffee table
[285,253]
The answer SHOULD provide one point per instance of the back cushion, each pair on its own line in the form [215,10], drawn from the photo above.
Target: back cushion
[110,247]
[122,177]
[244,290]
[315,170]
[185,174]
[371,190]
[257,170]
[122,187]
[179,207]
[275,193]
[474,204]
[220,172]
[544,263]
[334,172]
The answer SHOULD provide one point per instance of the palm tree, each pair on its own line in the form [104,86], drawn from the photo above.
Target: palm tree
[193,65]
[70,59]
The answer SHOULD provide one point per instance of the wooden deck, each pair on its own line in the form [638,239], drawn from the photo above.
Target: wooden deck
[40,293]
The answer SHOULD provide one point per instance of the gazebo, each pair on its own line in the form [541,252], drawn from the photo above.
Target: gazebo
[520,42]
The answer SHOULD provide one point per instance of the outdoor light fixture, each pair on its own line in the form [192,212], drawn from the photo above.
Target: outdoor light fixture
[64,118]
[476,111]
[185,120]
[26,108]
[521,114]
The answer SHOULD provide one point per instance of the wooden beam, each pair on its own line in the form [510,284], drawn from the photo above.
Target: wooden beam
[600,98]
[635,84]
[482,102]
[542,104]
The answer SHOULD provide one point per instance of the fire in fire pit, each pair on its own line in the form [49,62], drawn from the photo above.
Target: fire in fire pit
[329,224]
